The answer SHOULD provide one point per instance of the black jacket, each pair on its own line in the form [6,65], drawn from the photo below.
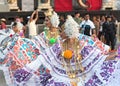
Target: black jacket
[109,28]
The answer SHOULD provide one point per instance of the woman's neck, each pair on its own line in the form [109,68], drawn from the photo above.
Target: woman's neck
[71,43]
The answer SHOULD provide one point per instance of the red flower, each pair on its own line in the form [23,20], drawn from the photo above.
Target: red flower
[11,35]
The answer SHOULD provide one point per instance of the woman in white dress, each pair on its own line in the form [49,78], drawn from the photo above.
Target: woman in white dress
[76,61]
[50,35]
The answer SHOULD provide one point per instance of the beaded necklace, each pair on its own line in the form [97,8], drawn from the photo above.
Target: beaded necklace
[52,36]
[70,51]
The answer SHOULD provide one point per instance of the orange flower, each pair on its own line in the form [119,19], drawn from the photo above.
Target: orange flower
[73,83]
[67,54]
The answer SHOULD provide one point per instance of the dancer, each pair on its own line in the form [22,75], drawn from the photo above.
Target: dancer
[50,35]
[77,61]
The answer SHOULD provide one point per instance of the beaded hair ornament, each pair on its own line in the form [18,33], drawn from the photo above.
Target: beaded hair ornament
[54,18]
[72,51]
[71,27]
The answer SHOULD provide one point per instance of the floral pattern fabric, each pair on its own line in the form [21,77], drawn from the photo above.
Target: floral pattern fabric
[51,72]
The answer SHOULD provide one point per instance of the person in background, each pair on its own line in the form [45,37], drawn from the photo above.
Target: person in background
[32,24]
[20,27]
[114,20]
[24,25]
[15,28]
[96,21]
[100,34]
[77,18]
[109,29]
[87,26]
[62,21]
[22,20]
[3,24]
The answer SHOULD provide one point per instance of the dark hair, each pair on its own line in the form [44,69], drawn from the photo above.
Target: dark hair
[35,8]
[77,13]
[20,16]
[4,22]
[108,16]
[14,24]
[87,14]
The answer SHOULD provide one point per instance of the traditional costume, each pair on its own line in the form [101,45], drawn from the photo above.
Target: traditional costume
[50,35]
[81,64]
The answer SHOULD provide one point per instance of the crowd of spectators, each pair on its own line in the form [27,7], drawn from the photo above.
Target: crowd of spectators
[102,27]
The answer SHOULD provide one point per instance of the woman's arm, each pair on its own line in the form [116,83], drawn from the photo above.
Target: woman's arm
[31,18]
[36,12]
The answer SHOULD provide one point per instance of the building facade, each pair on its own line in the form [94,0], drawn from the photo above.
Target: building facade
[30,5]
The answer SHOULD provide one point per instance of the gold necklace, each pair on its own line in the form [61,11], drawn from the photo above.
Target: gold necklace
[52,36]
[72,72]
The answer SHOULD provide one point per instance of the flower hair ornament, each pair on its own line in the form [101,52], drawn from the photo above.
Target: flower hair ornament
[71,27]
[54,19]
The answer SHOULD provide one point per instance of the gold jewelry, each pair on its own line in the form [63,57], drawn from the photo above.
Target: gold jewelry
[51,34]
[72,72]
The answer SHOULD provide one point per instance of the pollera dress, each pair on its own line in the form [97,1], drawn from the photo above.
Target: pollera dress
[15,53]
[43,41]
[48,69]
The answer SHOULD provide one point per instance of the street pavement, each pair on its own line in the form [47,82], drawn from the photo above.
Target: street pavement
[2,79]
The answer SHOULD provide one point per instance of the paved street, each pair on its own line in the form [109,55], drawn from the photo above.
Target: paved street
[2,79]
